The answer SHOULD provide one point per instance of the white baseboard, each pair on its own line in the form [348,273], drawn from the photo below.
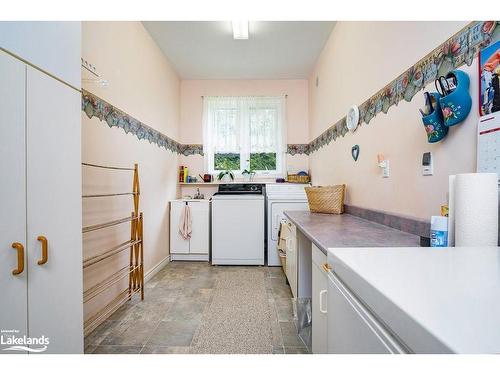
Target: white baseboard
[190,257]
[153,271]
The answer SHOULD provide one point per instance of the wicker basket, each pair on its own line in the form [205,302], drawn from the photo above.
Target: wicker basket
[326,199]
[298,178]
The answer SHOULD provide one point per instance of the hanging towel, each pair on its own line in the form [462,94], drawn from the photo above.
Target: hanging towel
[185,222]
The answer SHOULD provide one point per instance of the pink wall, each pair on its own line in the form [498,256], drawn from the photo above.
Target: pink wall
[191,112]
[192,105]
[359,59]
[142,83]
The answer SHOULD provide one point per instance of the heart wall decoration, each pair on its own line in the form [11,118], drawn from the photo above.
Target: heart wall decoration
[355,152]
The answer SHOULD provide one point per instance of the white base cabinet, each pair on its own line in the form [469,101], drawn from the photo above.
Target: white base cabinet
[319,304]
[352,329]
[40,196]
[197,247]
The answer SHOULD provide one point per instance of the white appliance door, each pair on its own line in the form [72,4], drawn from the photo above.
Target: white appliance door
[54,207]
[178,245]
[13,288]
[351,328]
[275,215]
[238,230]
[200,237]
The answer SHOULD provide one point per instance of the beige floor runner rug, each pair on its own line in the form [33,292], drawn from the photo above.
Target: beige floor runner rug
[238,319]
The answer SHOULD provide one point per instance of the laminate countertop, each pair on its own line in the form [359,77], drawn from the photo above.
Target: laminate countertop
[340,231]
[436,300]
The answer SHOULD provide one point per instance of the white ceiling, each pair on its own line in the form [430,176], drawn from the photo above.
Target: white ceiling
[274,50]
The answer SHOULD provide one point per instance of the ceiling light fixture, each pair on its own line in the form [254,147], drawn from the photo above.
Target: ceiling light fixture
[240,29]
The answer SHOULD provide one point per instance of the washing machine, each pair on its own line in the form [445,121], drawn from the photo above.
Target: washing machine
[238,216]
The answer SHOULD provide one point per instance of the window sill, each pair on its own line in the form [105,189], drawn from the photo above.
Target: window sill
[237,181]
[258,175]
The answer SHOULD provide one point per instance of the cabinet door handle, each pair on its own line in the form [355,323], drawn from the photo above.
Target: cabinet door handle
[326,267]
[321,294]
[45,250]
[20,258]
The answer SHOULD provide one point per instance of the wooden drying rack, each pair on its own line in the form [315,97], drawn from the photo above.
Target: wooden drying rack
[135,269]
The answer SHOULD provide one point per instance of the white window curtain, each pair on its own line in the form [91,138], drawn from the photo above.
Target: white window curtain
[244,125]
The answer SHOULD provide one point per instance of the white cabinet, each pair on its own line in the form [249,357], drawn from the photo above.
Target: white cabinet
[319,305]
[178,245]
[352,329]
[197,247]
[41,200]
[54,211]
[54,47]
[291,255]
[13,289]
[200,237]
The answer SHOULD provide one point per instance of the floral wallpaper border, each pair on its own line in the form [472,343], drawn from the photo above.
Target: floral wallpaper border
[297,149]
[93,106]
[458,50]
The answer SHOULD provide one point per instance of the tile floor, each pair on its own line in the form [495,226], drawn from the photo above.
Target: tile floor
[175,299]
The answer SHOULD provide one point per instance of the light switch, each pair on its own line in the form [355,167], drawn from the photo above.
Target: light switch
[427,164]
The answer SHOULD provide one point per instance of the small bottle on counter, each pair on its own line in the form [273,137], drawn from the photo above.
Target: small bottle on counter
[439,231]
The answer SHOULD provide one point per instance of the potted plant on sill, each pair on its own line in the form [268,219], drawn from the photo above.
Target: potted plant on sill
[248,174]
[226,175]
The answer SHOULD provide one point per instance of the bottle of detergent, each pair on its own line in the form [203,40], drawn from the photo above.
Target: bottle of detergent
[439,231]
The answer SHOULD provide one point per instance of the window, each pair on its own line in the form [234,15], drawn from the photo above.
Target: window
[244,133]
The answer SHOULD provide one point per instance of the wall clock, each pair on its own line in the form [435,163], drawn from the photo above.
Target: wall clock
[352,118]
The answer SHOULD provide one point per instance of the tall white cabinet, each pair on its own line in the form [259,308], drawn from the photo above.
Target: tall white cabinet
[41,216]
[196,247]
[13,288]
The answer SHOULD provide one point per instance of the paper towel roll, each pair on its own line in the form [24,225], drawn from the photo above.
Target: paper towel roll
[475,209]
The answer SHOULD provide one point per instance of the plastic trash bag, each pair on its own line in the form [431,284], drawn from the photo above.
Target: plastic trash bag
[304,319]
